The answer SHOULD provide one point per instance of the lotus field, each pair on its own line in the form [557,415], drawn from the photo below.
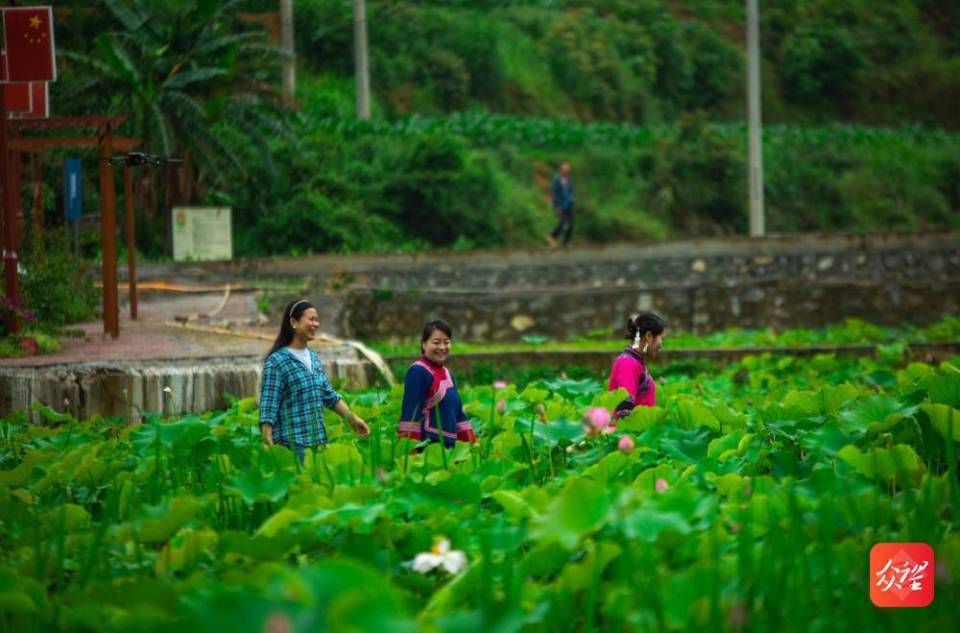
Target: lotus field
[749,500]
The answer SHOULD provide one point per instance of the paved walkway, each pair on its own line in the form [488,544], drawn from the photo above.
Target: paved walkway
[152,336]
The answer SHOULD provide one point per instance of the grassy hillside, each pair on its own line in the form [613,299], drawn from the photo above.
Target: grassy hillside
[475,102]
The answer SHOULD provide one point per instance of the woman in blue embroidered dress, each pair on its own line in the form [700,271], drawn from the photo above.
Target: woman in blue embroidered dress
[430,392]
[294,388]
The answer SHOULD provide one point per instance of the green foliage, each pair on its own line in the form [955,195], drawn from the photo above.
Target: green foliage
[820,61]
[55,290]
[177,71]
[442,193]
[192,524]
[699,181]
[696,68]
[58,289]
[475,102]
[849,332]
[639,183]
[649,61]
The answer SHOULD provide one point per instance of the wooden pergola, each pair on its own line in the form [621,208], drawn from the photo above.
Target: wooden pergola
[100,134]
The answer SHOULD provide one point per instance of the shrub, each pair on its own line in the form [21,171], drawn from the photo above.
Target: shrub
[820,61]
[440,191]
[58,289]
[699,180]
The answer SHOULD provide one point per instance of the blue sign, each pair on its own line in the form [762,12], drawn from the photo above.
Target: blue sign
[72,189]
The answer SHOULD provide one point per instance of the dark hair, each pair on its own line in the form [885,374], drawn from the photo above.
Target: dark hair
[294,310]
[642,323]
[431,326]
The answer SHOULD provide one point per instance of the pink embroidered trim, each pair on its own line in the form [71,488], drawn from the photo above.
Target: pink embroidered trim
[431,429]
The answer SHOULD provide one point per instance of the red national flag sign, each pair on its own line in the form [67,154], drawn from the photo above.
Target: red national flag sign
[16,97]
[28,34]
[39,100]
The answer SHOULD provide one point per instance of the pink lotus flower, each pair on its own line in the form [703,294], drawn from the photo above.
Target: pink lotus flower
[499,384]
[277,623]
[662,485]
[942,572]
[597,420]
[625,445]
[737,616]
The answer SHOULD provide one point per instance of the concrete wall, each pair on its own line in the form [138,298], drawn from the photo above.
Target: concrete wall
[131,389]
[697,285]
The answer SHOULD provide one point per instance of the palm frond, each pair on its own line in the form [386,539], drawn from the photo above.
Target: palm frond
[187,77]
[132,17]
[118,59]
[161,125]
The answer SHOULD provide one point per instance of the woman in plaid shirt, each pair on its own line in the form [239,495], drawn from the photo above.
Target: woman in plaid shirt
[294,388]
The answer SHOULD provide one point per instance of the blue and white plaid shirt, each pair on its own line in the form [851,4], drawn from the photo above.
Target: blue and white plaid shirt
[292,398]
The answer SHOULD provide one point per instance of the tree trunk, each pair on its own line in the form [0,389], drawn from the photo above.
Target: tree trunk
[290,61]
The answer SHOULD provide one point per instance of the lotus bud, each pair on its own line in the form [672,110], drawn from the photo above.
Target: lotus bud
[541,412]
[278,623]
[597,420]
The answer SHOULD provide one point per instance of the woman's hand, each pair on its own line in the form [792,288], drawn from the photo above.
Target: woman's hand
[359,425]
[267,431]
[355,421]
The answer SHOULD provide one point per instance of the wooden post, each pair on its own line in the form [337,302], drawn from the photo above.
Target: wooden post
[16,188]
[108,233]
[37,206]
[131,239]
[11,277]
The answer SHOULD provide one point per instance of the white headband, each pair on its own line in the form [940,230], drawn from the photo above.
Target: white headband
[294,306]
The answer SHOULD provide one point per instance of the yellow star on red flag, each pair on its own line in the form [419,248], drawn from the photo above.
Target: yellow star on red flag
[28,34]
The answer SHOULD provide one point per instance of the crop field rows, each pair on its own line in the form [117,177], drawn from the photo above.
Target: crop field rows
[749,500]
[494,129]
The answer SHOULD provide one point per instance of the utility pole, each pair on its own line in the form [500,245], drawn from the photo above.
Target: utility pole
[757,228]
[289,60]
[360,59]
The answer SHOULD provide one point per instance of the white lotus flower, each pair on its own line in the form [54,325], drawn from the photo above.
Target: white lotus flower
[440,555]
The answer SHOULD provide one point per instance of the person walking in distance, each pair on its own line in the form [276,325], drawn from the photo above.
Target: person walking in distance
[562,195]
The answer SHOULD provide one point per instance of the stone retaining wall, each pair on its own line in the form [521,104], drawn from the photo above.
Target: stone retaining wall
[697,285]
[171,387]
[890,282]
